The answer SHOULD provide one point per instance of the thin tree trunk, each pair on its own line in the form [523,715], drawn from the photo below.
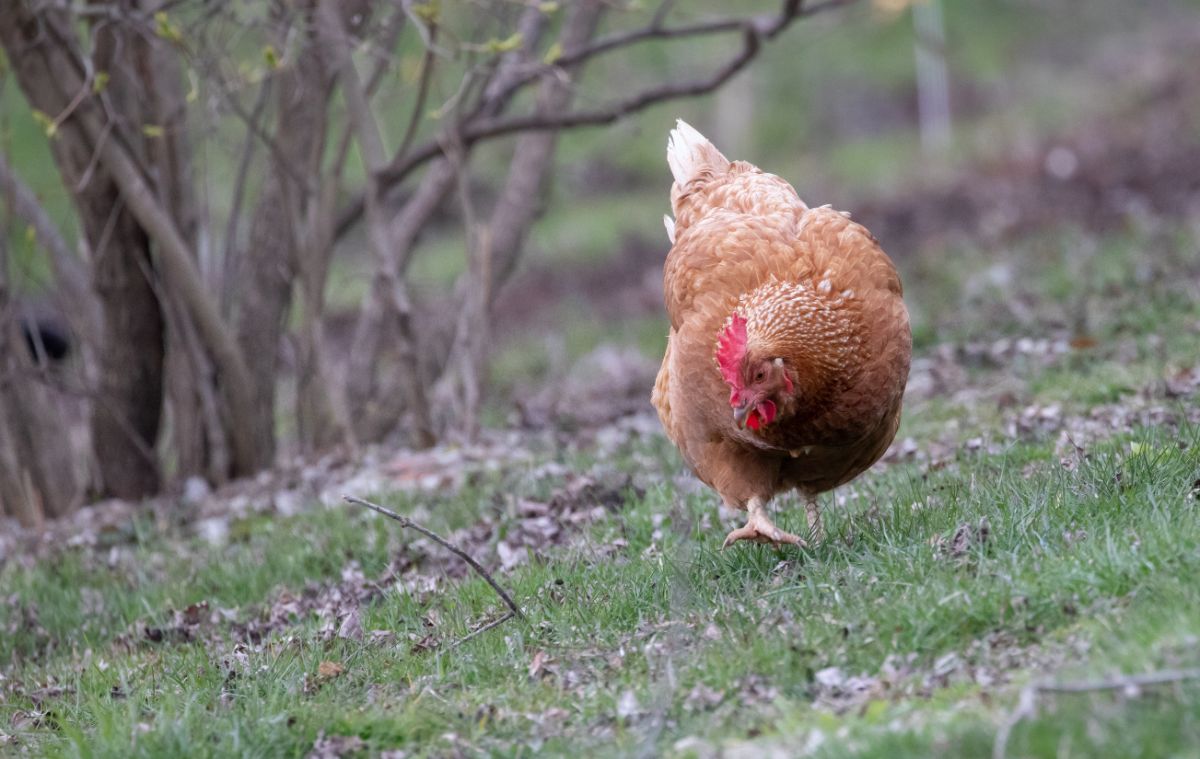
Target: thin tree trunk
[495,250]
[389,286]
[372,383]
[130,360]
[272,259]
[198,432]
[380,367]
[933,80]
[322,420]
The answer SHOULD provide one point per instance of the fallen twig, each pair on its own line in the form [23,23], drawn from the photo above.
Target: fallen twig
[406,522]
[1027,702]
[480,631]
[1123,682]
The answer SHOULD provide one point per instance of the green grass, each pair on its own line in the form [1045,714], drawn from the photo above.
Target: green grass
[642,637]
[642,634]
[664,614]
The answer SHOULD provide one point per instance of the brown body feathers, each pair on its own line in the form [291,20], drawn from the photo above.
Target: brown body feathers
[767,282]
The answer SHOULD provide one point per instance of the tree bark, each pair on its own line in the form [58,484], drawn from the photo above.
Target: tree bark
[72,289]
[200,440]
[389,286]
[36,476]
[321,419]
[40,47]
[372,381]
[380,367]
[495,250]
[272,259]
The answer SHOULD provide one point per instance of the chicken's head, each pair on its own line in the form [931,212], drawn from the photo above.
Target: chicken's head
[757,384]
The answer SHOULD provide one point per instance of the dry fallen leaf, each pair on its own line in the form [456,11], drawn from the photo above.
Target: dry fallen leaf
[537,664]
[965,538]
[351,627]
[427,642]
[335,746]
[327,670]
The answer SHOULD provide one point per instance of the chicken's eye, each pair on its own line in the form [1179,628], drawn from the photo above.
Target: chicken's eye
[758,377]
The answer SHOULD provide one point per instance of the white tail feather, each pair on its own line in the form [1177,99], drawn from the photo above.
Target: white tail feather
[669,223]
[688,152]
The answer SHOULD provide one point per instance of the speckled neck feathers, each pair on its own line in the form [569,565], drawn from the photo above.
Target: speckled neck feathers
[816,330]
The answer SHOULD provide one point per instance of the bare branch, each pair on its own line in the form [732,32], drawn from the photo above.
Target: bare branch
[428,35]
[1027,701]
[1122,682]
[654,30]
[253,125]
[660,15]
[509,68]
[390,35]
[406,522]
[476,633]
[370,141]
[494,97]
[229,259]
[489,128]
[427,63]
[68,269]
[754,31]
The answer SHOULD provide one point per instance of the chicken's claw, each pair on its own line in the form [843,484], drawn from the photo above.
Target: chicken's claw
[760,529]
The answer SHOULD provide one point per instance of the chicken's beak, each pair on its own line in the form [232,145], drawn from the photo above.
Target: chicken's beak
[741,412]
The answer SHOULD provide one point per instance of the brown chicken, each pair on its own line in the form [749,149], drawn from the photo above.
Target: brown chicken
[789,344]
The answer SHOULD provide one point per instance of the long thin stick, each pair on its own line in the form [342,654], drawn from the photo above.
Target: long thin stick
[1121,683]
[406,522]
[1027,702]
[481,630]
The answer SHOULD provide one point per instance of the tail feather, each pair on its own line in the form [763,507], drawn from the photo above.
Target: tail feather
[689,153]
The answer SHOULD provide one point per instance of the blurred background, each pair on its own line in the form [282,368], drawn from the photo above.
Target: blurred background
[200,279]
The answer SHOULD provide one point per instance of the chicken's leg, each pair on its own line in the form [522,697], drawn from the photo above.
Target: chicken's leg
[761,529]
[816,530]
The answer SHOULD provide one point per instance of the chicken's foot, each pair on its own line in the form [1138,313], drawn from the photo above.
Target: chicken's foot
[760,529]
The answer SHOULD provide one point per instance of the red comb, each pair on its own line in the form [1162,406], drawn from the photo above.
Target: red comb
[731,349]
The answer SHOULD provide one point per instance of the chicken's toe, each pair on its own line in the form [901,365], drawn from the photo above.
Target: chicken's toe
[760,529]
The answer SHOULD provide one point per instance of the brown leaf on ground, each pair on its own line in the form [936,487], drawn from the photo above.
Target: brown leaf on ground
[22,617]
[351,627]
[187,624]
[965,538]
[702,698]
[335,746]
[423,643]
[328,670]
[48,693]
[537,665]
[840,692]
